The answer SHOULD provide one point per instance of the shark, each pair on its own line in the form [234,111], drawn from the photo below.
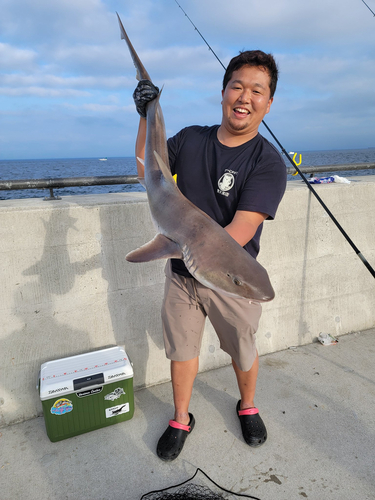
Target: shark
[184,231]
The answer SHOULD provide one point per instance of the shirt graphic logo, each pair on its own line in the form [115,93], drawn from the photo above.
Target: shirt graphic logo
[226,182]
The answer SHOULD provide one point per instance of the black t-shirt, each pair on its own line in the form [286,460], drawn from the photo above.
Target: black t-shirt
[221,180]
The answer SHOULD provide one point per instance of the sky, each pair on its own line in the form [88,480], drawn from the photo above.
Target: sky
[66,77]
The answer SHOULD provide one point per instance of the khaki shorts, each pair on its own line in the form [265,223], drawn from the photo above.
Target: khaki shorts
[186,305]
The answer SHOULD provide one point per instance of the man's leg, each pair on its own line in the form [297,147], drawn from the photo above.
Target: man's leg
[253,429]
[170,444]
[247,383]
[183,374]
[183,323]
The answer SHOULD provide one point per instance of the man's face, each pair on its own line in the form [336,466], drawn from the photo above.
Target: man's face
[246,100]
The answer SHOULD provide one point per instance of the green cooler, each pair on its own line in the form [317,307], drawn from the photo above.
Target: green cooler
[86,392]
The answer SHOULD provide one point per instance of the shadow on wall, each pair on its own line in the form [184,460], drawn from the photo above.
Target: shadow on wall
[43,331]
[78,295]
[135,291]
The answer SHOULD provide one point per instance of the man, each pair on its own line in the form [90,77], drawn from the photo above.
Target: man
[238,178]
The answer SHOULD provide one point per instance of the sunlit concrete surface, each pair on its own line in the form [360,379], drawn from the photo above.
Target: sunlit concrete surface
[317,401]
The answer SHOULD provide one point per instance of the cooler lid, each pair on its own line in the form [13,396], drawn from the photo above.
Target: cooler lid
[65,375]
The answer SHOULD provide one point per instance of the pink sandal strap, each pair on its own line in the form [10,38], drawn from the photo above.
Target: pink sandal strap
[177,425]
[248,411]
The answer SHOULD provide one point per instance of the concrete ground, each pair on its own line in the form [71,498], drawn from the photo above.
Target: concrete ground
[317,401]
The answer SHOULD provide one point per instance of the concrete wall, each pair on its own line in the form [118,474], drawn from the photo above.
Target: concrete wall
[67,289]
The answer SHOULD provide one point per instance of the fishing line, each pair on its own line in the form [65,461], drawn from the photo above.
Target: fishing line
[369,8]
[312,190]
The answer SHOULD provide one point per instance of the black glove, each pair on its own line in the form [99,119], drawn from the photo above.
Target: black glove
[143,94]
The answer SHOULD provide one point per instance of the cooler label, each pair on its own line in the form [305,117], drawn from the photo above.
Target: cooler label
[117,410]
[117,393]
[89,392]
[62,406]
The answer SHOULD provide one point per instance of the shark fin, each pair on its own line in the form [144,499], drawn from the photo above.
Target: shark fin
[160,247]
[141,180]
[163,167]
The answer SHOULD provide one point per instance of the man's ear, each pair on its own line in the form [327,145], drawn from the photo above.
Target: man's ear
[269,105]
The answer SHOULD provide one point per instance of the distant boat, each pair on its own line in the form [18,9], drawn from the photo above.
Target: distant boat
[103,159]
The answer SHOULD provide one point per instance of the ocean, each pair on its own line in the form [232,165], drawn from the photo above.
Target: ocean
[87,167]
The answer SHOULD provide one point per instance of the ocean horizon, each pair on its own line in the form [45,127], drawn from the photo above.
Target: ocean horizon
[47,168]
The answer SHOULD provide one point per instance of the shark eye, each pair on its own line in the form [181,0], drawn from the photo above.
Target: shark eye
[235,280]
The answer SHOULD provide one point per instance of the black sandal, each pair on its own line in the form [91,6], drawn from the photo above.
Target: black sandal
[253,429]
[172,441]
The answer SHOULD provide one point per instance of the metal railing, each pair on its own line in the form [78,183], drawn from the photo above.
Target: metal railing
[333,168]
[64,182]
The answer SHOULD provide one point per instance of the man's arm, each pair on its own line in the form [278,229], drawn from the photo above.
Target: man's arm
[244,225]
[143,94]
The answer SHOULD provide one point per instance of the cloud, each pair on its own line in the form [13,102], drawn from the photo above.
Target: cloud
[16,59]
[42,92]
[96,108]
[54,81]
[64,66]
[43,22]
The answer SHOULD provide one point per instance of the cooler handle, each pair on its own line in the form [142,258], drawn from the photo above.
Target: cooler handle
[81,383]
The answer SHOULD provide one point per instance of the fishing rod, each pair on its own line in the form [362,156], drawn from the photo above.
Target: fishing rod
[295,166]
[369,8]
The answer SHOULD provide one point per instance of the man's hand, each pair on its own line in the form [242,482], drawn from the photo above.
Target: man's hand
[145,92]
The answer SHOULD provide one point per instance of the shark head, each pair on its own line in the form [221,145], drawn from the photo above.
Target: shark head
[246,287]
[239,283]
